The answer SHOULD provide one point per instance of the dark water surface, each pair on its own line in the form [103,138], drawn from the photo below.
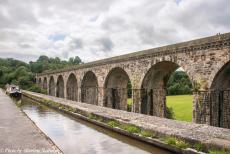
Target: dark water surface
[75,136]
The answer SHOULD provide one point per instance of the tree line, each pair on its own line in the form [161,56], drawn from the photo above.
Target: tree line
[16,72]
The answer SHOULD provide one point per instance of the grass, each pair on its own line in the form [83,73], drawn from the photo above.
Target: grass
[199,147]
[129,101]
[113,123]
[182,106]
[176,142]
[219,152]
[146,133]
[131,128]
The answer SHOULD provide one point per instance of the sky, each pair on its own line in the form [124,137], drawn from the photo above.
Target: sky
[97,29]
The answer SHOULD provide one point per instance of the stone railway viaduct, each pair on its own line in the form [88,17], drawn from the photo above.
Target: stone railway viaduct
[206,61]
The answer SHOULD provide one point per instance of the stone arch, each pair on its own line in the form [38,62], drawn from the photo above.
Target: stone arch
[89,88]
[72,87]
[45,83]
[221,80]
[60,87]
[153,88]
[115,85]
[52,86]
[218,98]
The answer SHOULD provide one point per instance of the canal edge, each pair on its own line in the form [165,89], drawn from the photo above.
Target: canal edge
[51,142]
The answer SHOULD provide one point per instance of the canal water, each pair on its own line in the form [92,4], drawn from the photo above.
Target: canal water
[75,136]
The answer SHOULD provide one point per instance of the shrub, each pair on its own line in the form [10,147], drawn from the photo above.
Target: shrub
[181,144]
[129,104]
[131,128]
[176,142]
[199,147]
[35,88]
[170,140]
[170,113]
[113,123]
[147,133]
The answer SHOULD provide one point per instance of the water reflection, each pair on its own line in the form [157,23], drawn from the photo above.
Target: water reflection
[74,136]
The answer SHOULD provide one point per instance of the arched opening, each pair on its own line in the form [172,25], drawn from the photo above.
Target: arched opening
[156,88]
[179,99]
[222,79]
[40,82]
[71,87]
[60,87]
[45,83]
[51,86]
[116,86]
[89,88]
[220,98]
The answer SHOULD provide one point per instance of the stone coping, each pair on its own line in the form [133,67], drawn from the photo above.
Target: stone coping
[202,43]
[191,132]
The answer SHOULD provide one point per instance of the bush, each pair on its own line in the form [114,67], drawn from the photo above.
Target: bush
[129,104]
[113,123]
[147,133]
[199,147]
[181,144]
[176,142]
[37,89]
[169,113]
[170,141]
[131,128]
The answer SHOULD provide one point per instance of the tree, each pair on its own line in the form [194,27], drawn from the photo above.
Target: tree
[77,60]
[179,84]
[43,58]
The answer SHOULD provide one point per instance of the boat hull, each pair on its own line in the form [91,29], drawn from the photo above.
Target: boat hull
[15,94]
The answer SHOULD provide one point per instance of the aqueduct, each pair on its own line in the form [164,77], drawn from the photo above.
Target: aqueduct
[206,61]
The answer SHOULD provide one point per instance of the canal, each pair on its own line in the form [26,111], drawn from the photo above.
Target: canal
[75,136]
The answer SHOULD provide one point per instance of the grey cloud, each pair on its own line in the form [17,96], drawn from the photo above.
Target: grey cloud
[85,6]
[15,14]
[78,43]
[20,56]
[25,45]
[65,54]
[113,24]
[203,17]
[157,36]
[106,44]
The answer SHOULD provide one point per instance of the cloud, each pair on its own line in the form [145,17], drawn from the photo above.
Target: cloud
[76,43]
[106,44]
[100,29]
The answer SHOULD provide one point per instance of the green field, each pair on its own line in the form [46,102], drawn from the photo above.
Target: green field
[182,106]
